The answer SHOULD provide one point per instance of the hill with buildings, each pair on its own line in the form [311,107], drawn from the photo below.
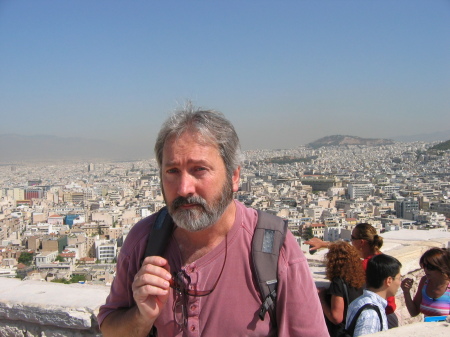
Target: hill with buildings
[339,140]
[441,146]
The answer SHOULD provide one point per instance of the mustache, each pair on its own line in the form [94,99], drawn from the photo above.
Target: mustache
[180,201]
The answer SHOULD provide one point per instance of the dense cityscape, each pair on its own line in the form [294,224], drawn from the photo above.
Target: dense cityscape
[66,222]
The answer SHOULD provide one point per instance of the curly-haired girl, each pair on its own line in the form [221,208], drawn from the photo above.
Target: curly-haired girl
[343,269]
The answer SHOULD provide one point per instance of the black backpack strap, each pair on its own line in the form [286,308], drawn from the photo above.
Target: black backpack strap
[158,239]
[160,234]
[351,328]
[267,241]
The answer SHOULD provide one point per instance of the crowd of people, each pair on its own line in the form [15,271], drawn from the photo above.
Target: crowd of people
[432,297]
[204,281]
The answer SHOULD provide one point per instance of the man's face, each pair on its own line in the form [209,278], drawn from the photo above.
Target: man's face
[194,181]
[396,281]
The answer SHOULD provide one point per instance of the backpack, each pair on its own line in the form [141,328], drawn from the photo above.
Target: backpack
[267,240]
[351,328]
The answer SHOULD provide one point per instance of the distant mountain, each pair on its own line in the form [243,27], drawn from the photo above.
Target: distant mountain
[338,140]
[424,137]
[15,148]
[441,146]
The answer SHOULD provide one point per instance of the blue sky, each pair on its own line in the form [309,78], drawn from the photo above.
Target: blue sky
[284,72]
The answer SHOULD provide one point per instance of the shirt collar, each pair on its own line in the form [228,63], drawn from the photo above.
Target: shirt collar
[377,299]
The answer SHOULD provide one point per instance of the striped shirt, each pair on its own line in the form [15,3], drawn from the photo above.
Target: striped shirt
[368,322]
[435,306]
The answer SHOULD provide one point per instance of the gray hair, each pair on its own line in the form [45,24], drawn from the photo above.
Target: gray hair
[213,129]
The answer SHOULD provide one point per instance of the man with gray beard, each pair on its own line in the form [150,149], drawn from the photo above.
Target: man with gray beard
[204,284]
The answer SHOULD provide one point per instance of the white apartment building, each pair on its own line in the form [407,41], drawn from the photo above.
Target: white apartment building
[360,190]
[332,233]
[318,230]
[390,189]
[145,212]
[45,258]
[315,213]
[106,250]
[335,191]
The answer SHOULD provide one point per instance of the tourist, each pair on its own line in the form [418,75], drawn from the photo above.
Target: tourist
[368,243]
[433,294]
[347,276]
[198,154]
[382,281]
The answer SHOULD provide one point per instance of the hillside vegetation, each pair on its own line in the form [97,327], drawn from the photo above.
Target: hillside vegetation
[339,140]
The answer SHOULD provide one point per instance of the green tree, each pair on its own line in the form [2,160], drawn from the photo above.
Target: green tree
[77,278]
[26,258]
[308,233]
[60,280]
[59,258]
[99,230]
[74,279]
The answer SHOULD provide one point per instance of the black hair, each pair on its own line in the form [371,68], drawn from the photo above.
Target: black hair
[379,268]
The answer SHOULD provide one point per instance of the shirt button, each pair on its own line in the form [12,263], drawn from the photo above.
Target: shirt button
[193,307]
[192,327]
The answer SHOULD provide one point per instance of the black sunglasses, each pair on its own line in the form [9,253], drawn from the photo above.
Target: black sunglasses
[176,282]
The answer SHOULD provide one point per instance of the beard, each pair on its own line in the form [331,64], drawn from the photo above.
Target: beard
[202,215]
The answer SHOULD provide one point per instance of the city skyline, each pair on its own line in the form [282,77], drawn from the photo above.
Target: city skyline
[285,74]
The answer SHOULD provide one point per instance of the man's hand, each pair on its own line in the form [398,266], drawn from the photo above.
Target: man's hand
[151,287]
[316,243]
[150,292]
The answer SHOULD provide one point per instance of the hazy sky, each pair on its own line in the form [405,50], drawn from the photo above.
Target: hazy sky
[284,72]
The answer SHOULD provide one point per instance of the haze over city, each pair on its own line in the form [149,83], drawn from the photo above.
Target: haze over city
[285,73]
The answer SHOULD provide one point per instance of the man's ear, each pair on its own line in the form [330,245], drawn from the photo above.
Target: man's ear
[388,281]
[235,178]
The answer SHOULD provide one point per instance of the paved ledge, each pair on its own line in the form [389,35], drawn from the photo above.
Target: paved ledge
[37,308]
[435,329]
[45,309]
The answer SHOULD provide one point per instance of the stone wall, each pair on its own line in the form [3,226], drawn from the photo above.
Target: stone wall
[44,309]
[405,317]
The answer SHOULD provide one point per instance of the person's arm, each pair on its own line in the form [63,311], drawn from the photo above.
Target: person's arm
[316,243]
[299,313]
[150,292]
[413,305]
[126,322]
[335,312]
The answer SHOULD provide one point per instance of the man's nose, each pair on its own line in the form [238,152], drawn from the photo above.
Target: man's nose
[186,186]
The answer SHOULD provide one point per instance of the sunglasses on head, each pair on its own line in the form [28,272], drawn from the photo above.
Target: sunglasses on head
[429,267]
